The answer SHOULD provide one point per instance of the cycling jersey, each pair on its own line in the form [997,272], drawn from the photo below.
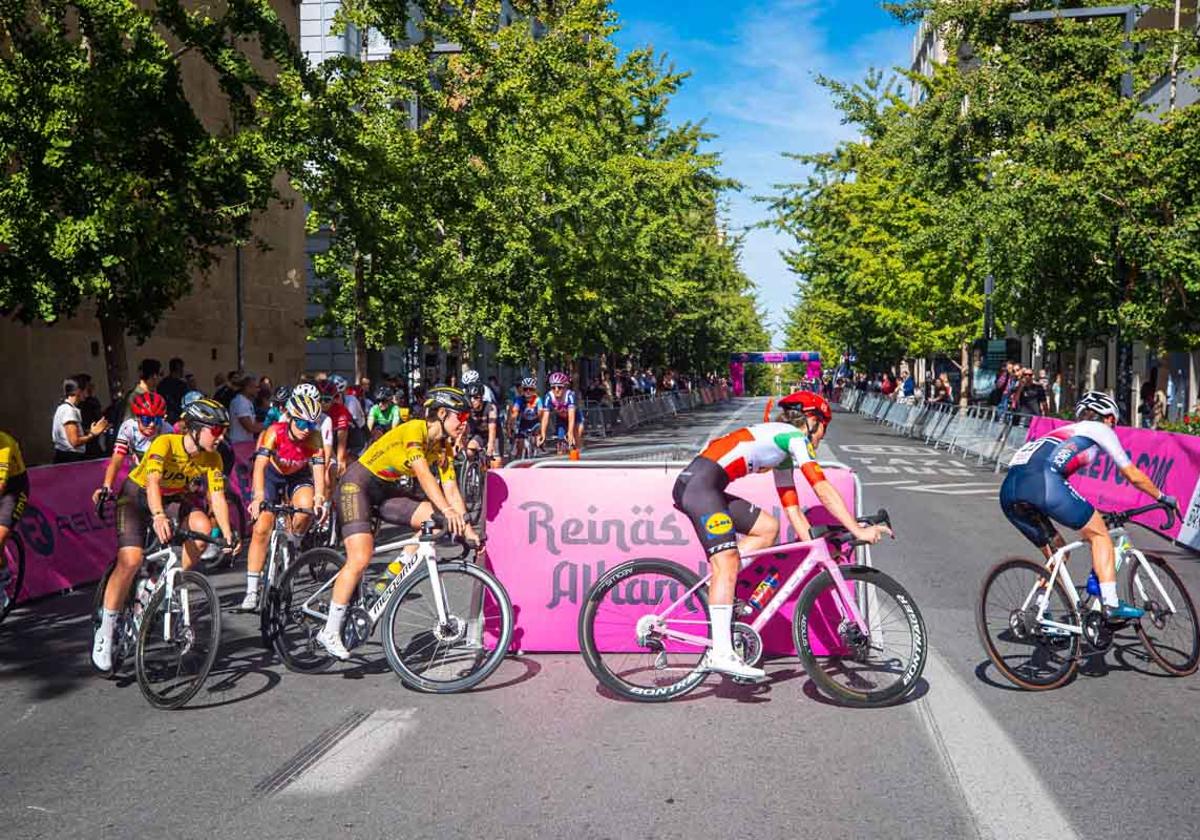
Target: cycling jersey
[560,407]
[527,412]
[288,455]
[11,462]
[131,439]
[391,457]
[381,418]
[168,458]
[767,446]
[481,420]
[1069,448]
[274,415]
[340,417]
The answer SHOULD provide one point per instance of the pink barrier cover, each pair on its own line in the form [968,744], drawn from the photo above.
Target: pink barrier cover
[66,543]
[1172,461]
[553,532]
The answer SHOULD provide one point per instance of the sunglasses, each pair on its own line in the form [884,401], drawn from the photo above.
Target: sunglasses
[325,398]
[304,425]
[463,416]
[557,387]
[146,419]
[217,432]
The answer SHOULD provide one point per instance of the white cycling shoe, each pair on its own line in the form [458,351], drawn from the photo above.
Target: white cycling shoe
[333,645]
[731,665]
[250,602]
[102,653]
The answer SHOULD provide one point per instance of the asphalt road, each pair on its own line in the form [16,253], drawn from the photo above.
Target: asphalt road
[539,751]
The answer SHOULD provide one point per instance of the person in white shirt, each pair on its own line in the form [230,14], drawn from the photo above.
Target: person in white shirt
[66,432]
[244,426]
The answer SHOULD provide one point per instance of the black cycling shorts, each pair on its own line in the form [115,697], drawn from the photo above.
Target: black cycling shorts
[278,487]
[717,516]
[361,493]
[13,500]
[133,514]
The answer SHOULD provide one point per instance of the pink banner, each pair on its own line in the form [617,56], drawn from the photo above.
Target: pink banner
[737,376]
[66,543]
[1172,461]
[549,541]
[814,370]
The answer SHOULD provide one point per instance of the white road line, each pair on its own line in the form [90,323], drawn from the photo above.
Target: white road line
[965,488]
[886,483]
[1001,789]
[356,756]
[730,423]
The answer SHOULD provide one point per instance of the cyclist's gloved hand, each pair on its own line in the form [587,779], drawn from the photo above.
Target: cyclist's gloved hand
[1169,501]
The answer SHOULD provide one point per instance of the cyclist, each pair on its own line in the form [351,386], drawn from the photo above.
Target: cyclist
[149,412]
[561,404]
[472,377]
[372,485]
[278,400]
[339,428]
[385,414]
[289,465]
[719,517]
[1036,491]
[14,495]
[524,417]
[171,463]
[483,425]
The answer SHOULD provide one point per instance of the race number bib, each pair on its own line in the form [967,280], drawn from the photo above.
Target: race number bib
[1023,454]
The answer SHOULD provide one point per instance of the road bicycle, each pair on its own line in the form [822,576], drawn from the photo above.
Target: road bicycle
[644,626]
[14,556]
[447,623]
[170,625]
[1034,620]
[470,468]
[281,551]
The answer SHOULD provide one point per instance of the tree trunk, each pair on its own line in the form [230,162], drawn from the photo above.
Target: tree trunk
[968,370]
[116,362]
[360,306]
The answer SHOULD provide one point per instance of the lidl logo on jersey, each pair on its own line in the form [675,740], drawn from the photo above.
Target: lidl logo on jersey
[718,524]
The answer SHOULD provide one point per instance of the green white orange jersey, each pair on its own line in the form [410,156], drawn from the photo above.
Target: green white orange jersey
[780,447]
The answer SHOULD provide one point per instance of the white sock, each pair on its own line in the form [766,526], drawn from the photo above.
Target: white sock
[252,579]
[108,621]
[337,613]
[720,617]
[1108,593]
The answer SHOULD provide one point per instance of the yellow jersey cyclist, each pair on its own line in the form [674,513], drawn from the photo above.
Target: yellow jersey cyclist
[372,485]
[171,464]
[289,466]
[718,516]
[14,495]
[149,412]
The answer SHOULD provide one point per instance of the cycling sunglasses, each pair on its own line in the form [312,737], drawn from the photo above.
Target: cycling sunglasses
[557,387]
[217,432]
[304,425]
[146,419]
[463,416]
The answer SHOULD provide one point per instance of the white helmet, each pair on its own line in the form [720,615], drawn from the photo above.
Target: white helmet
[303,407]
[307,389]
[1099,402]
[470,376]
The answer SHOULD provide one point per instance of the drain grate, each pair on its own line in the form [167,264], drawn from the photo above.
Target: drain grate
[310,754]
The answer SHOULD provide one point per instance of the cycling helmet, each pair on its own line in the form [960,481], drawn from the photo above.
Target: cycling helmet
[190,397]
[308,389]
[1099,402]
[559,378]
[470,377]
[339,383]
[806,403]
[148,404]
[529,382]
[446,397]
[473,390]
[281,395]
[384,393]
[303,407]
[206,412]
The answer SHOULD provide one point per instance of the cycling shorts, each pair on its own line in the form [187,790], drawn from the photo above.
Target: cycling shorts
[281,488]
[13,500]
[717,516]
[133,514]
[1031,496]
[361,493]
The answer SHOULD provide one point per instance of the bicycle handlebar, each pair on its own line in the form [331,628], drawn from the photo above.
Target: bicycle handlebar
[838,535]
[181,535]
[1117,518]
[286,510]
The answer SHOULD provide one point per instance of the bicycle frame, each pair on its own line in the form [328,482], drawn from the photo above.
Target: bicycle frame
[172,569]
[817,554]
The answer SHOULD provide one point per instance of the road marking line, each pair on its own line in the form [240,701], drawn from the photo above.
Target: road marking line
[887,483]
[355,756]
[1001,789]
[728,424]
[310,754]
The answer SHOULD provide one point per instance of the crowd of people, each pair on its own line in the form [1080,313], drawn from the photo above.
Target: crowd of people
[1016,389]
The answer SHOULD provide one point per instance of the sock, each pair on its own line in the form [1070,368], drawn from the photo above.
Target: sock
[108,620]
[337,613]
[252,579]
[720,617]
[1108,593]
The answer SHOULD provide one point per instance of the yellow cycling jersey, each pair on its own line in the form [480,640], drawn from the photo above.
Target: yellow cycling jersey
[11,462]
[167,457]
[391,457]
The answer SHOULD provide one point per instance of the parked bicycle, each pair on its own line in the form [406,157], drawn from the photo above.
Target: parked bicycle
[170,625]
[1037,625]
[447,623]
[644,626]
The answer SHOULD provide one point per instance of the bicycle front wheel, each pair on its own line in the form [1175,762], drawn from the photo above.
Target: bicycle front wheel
[1030,655]
[14,561]
[293,629]
[461,652]
[857,669]
[178,641]
[1169,635]
[625,630]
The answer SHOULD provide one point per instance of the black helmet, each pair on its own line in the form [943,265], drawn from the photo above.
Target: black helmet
[473,390]
[206,412]
[443,396]
[282,394]
[384,393]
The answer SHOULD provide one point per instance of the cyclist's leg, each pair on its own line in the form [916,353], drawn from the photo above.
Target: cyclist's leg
[1021,497]
[302,497]
[260,538]
[760,528]
[132,522]
[358,493]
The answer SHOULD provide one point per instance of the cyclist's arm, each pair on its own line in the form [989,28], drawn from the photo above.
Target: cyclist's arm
[785,486]
[429,484]
[571,422]
[545,412]
[110,469]
[493,423]
[154,497]
[262,457]
[371,420]
[1141,481]
[342,436]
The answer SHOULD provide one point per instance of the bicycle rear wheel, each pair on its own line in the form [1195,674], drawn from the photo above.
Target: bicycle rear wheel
[293,630]
[1171,638]
[872,670]
[1029,655]
[14,556]
[622,637]
[172,667]
[443,658]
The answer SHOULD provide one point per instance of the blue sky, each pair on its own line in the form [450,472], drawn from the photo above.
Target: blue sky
[753,84]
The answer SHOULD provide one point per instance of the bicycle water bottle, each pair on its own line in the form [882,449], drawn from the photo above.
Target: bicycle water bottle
[765,590]
[145,589]
[394,568]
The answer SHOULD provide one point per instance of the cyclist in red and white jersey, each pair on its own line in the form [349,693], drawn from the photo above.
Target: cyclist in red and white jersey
[148,421]
[718,516]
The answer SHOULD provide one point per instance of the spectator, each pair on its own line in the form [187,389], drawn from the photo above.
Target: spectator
[1029,395]
[173,387]
[908,387]
[225,389]
[90,411]
[1056,392]
[1146,405]
[150,374]
[941,389]
[887,385]
[244,425]
[66,432]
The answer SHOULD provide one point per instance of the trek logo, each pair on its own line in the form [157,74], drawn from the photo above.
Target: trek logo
[718,524]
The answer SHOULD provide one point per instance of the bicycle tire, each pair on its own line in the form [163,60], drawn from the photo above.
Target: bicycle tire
[1156,619]
[14,550]
[403,661]
[470,484]
[190,582]
[295,633]
[804,620]
[605,666]
[1062,651]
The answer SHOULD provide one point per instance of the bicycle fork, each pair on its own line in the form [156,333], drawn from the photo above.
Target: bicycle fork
[172,576]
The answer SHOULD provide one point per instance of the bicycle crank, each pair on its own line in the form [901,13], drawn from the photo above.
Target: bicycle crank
[1097,632]
[357,627]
